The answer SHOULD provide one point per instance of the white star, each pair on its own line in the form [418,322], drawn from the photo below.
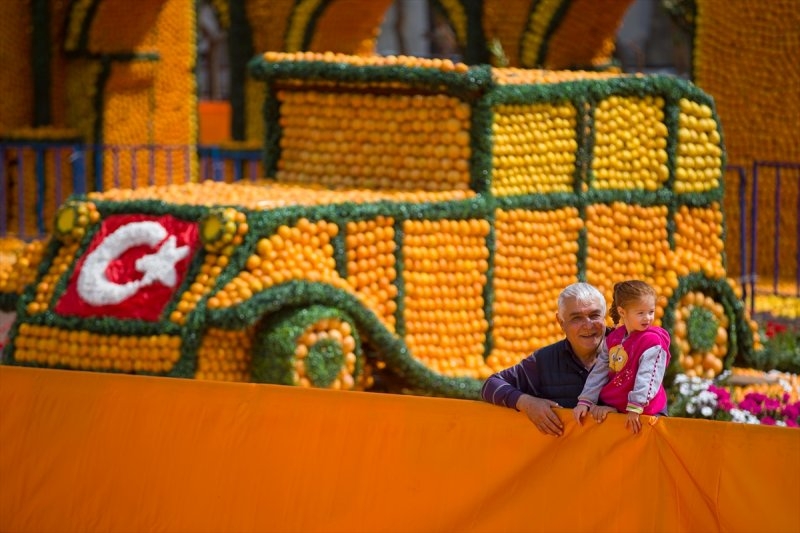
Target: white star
[160,266]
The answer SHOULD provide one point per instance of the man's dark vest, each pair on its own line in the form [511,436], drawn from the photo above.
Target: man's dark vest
[561,375]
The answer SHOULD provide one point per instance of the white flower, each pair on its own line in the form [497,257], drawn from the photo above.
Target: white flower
[706,399]
[690,408]
[699,384]
[744,417]
[706,411]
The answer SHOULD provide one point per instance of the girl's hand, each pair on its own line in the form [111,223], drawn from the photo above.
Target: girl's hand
[599,412]
[579,412]
[633,422]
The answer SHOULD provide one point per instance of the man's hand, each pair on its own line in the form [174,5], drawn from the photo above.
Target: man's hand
[540,412]
[633,422]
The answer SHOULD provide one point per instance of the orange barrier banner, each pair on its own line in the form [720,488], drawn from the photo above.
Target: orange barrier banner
[83,451]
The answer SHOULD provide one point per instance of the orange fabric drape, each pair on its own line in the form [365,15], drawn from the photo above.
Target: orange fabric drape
[83,451]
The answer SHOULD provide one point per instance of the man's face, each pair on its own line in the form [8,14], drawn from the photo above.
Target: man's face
[584,325]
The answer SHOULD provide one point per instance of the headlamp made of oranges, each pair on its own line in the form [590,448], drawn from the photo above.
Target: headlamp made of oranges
[72,218]
[219,228]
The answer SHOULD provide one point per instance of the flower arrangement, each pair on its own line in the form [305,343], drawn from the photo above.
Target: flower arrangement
[771,399]
[782,346]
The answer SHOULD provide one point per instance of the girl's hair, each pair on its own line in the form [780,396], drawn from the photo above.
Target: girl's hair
[626,293]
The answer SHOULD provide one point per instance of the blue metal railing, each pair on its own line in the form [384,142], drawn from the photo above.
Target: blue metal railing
[744,277]
[15,175]
[116,156]
[757,172]
[245,163]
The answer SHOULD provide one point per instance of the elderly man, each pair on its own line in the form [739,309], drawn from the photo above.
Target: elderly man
[554,375]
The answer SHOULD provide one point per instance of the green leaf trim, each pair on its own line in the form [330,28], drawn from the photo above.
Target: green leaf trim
[399,268]
[488,289]
[276,341]
[701,329]
[466,86]
[323,362]
[481,143]
[274,133]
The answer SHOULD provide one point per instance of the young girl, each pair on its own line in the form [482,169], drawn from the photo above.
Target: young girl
[627,377]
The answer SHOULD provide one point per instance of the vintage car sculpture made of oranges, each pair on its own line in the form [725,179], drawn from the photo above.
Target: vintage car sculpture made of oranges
[418,220]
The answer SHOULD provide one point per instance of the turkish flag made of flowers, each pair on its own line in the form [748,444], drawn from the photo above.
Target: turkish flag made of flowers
[132,267]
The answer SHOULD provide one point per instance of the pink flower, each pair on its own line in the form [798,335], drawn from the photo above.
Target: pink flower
[791,411]
[757,397]
[771,404]
[725,405]
[751,405]
[721,393]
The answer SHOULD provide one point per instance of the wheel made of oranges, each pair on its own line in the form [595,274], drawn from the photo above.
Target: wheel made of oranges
[703,316]
[315,346]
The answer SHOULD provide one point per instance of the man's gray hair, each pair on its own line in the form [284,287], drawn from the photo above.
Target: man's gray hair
[583,293]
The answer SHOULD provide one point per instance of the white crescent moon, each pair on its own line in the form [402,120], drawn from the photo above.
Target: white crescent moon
[93,285]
